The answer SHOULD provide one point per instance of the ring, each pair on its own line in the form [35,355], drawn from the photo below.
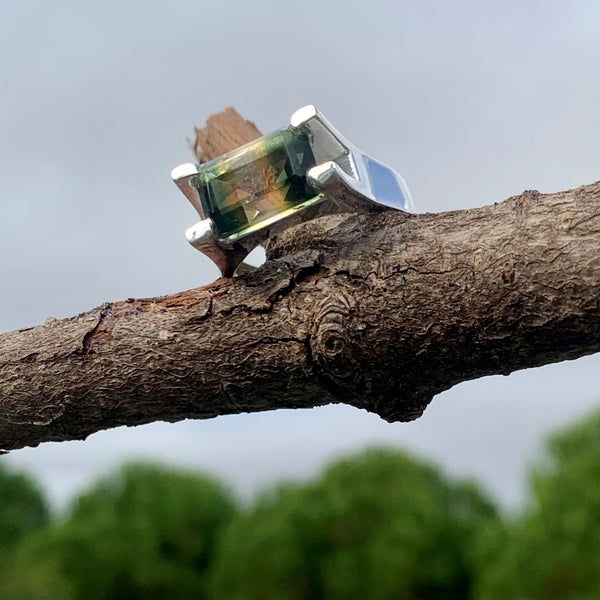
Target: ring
[295,174]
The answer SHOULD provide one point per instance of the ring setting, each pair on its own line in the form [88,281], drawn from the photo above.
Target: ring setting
[295,174]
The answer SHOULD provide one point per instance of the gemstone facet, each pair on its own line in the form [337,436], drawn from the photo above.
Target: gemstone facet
[257,184]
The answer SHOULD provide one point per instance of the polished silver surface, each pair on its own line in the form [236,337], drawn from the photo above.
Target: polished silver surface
[350,181]
[183,177]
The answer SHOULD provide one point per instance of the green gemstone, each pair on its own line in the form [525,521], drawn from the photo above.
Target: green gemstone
[257,184]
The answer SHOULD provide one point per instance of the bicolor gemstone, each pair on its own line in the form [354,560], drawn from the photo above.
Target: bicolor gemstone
[257,184]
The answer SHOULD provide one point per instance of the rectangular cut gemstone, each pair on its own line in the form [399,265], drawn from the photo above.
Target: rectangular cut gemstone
[257,184]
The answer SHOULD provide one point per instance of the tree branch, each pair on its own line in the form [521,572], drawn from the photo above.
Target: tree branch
[378,311]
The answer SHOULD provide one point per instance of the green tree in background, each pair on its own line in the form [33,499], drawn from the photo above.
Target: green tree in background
[377,526]
[552,552]
[145,533]
[23,509]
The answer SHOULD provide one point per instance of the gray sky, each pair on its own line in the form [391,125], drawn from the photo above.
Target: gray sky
[470,101]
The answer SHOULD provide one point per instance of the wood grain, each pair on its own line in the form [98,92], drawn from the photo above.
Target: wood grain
[380,311]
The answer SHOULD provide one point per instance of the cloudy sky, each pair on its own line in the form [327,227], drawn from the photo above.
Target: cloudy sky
[470,101]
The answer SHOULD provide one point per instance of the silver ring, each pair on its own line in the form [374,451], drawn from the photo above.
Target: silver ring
[295,174]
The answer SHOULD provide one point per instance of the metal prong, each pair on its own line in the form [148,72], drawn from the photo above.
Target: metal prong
[202,236]
[330,174]
[302,115]
[183,176]
[327,142]
[345,192]
[309,117]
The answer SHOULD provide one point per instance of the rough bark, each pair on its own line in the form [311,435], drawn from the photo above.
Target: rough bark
[378,311]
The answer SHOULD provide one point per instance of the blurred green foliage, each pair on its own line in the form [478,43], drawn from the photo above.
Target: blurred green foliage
[23,509]
[380,525]
[376,526]
[144,533]
[552,550]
